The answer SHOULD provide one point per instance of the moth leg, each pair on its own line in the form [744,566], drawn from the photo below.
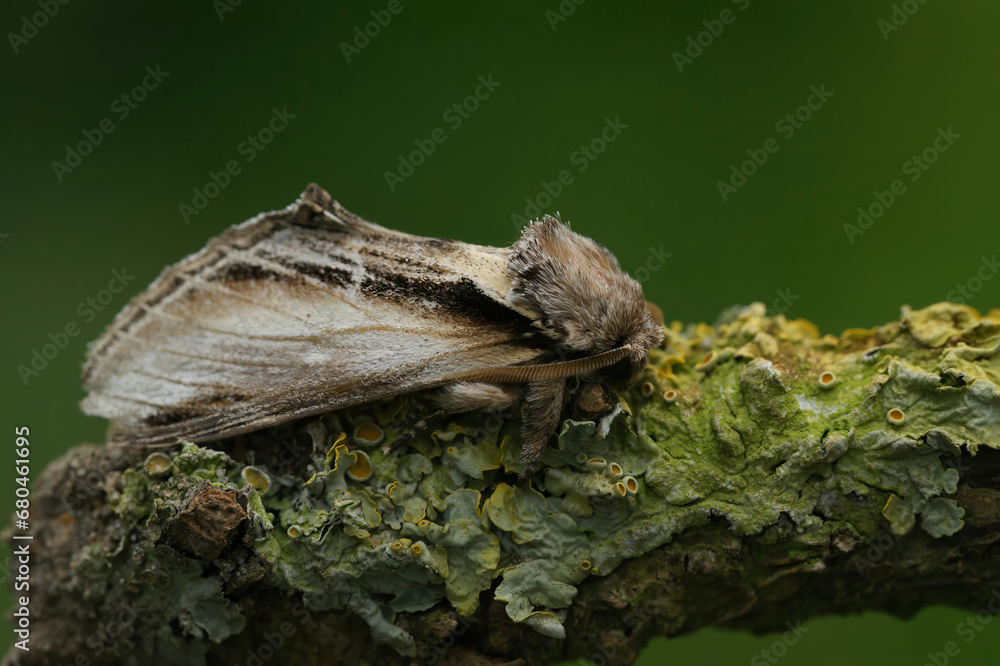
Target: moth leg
[461,397]
[542,412]
[467,396]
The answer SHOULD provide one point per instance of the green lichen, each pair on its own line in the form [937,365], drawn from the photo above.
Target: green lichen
[746,432]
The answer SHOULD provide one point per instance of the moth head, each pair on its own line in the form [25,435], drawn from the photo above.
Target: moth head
[581,297]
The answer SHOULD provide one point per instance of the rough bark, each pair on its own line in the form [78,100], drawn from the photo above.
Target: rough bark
[752,493]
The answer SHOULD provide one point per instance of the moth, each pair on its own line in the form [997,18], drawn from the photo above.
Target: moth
[310,309]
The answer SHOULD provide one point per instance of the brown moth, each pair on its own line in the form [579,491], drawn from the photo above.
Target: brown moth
[310,309]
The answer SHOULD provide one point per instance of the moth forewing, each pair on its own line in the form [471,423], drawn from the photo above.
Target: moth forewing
[310,309]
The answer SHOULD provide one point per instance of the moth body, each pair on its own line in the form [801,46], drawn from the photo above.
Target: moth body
[310,309]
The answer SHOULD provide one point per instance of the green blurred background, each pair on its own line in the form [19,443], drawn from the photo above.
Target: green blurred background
[779,238]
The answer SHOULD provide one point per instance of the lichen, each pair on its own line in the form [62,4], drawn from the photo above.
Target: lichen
[756,421]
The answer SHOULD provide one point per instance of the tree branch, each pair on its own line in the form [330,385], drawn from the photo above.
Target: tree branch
[759,476]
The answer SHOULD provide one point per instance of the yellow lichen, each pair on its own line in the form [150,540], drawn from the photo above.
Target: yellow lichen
[157,465]
[368,435]
[826,379]
[361,470]
[896,416]
[257,478]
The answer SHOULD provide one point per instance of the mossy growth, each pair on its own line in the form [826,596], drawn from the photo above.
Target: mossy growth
[758,420]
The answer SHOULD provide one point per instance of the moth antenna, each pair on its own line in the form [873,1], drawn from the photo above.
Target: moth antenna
[517,374]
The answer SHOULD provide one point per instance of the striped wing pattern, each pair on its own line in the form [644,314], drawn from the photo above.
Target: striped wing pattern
[299,312]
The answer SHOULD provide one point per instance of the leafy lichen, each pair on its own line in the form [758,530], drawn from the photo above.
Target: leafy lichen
[737,425]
